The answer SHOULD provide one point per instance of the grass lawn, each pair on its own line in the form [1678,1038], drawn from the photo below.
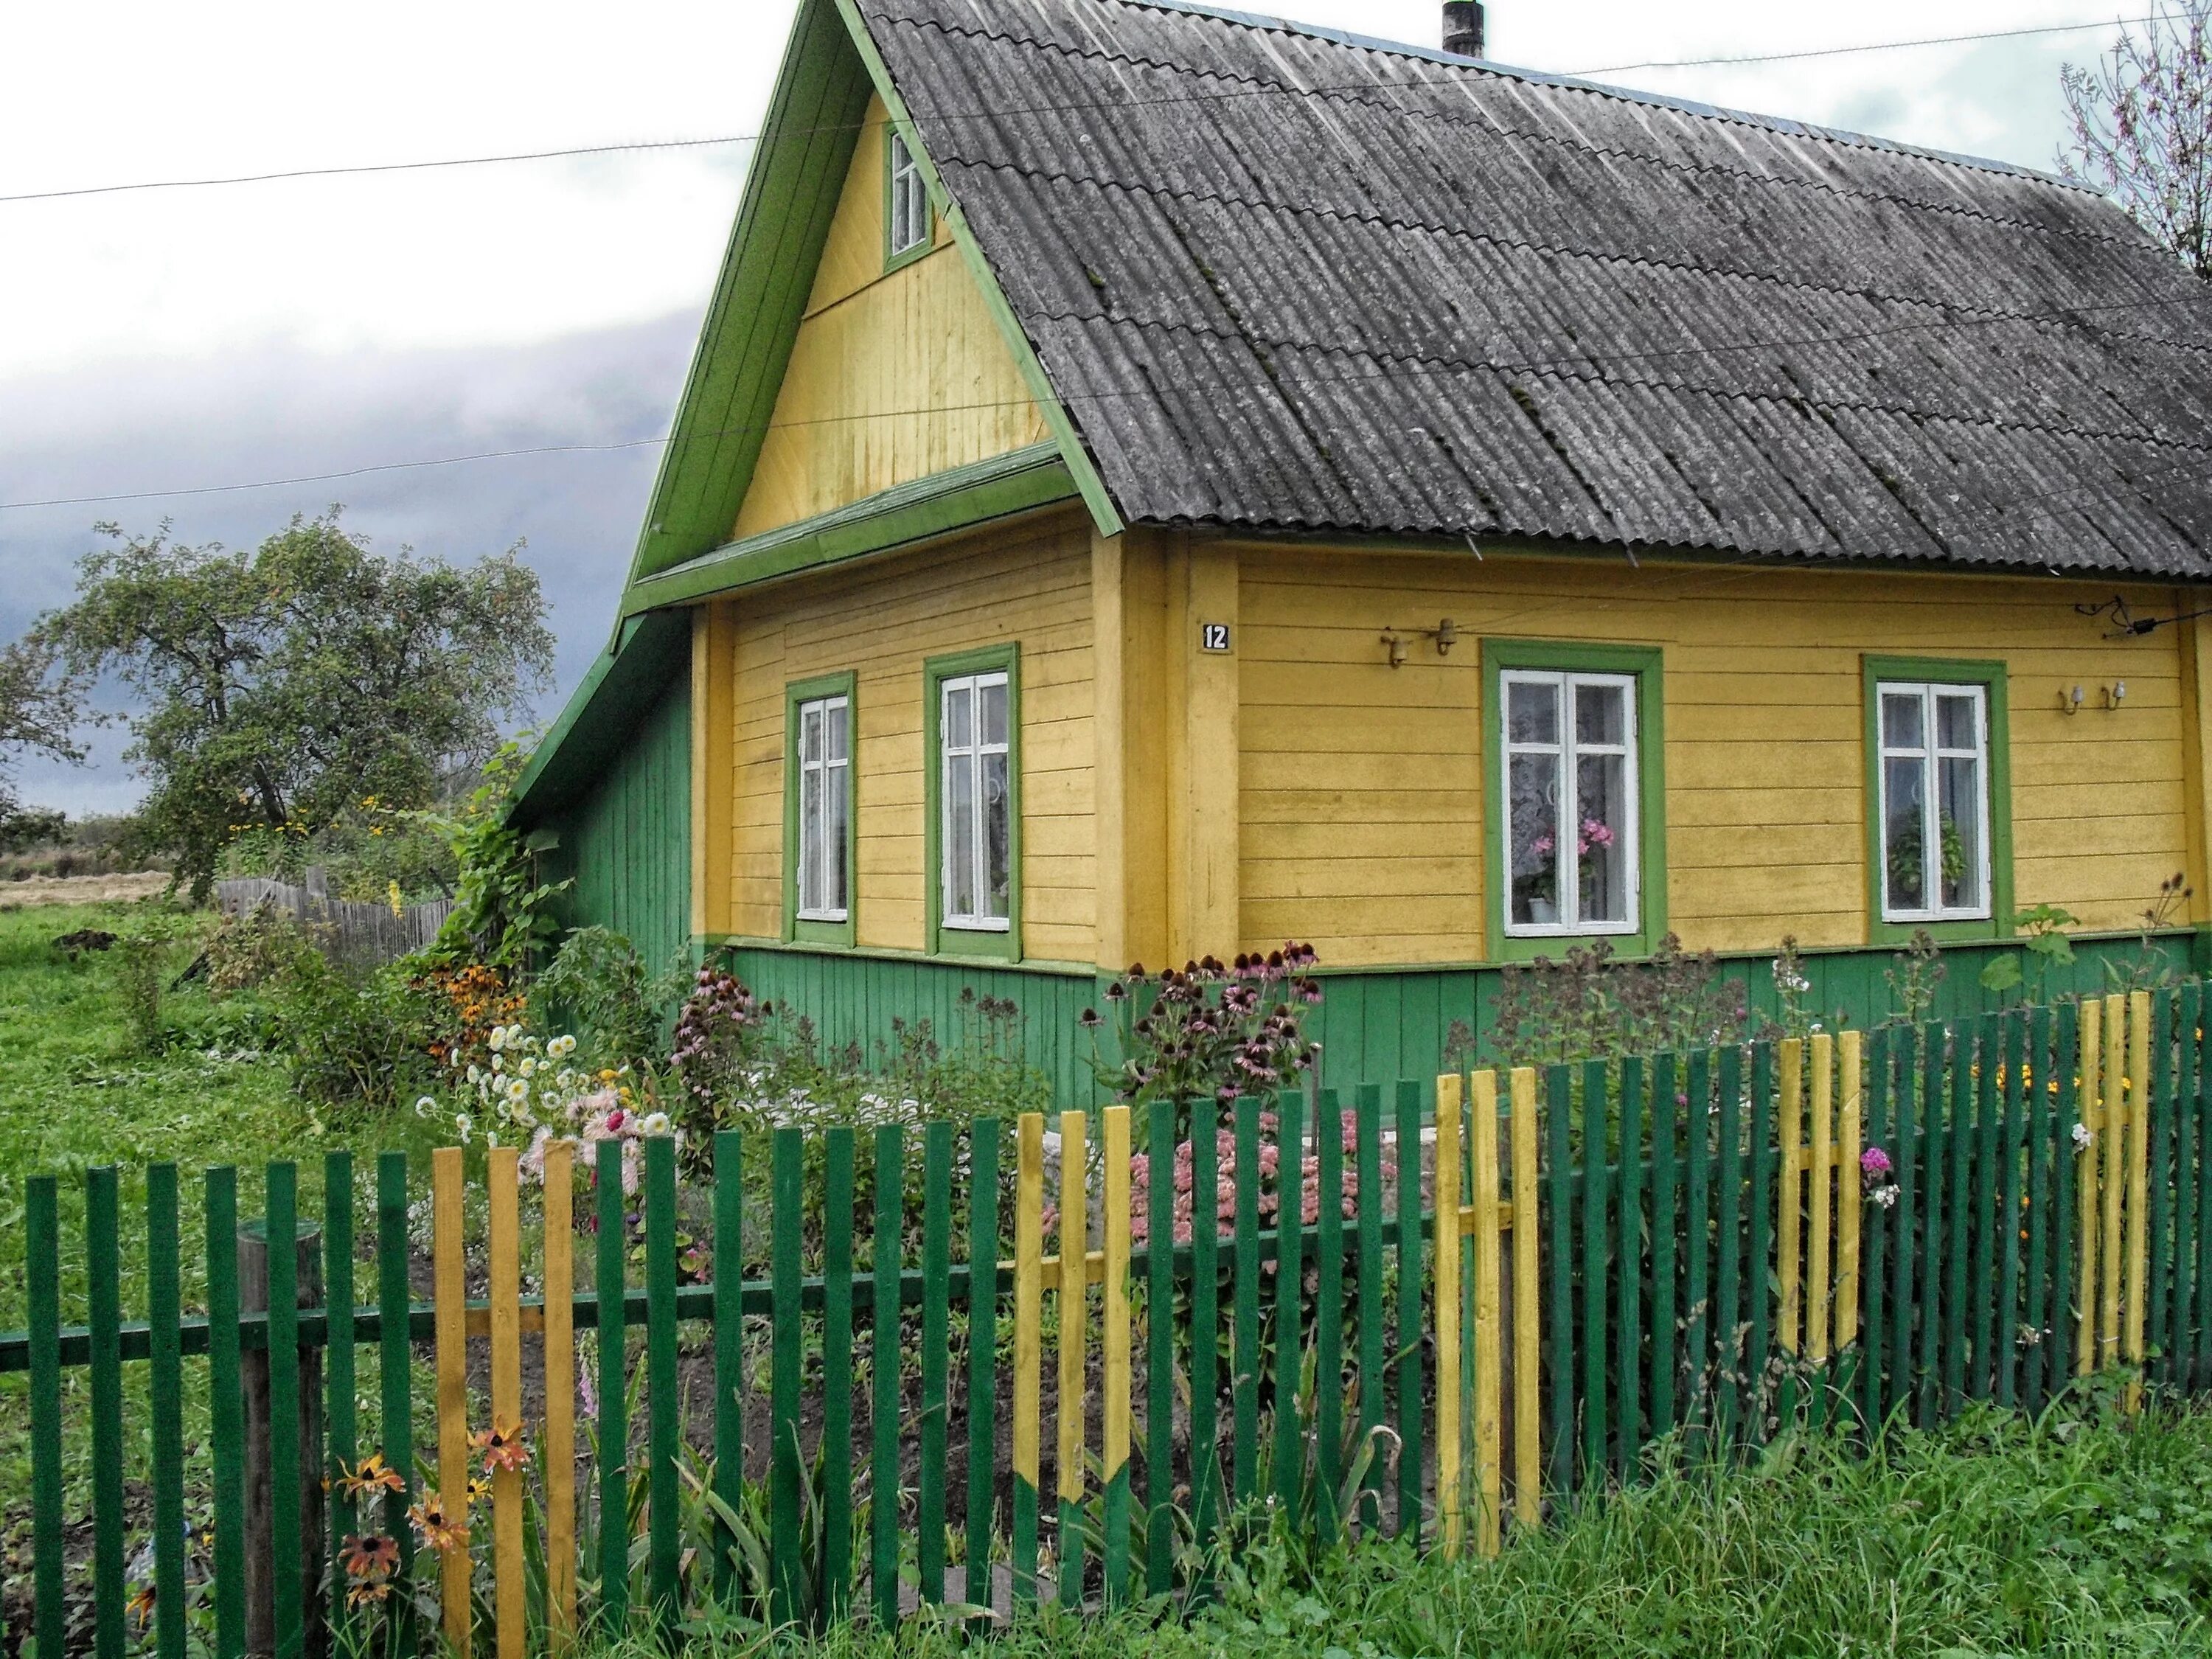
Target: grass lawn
[2077,1536]
[76,1092]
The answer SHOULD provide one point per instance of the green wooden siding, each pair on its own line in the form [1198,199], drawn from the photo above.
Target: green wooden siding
[852,997]
[626,841]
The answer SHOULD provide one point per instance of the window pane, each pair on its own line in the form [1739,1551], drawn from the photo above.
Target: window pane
[1960,804]
[997,845]
[1534,820]
[1955,725]
[1900,720]
[959,728]
[809,732]
[959,836]
[833,843]
[1602,838]
[1532,711]
[992,695]
[1600,715]
[839,718]
[1905,871]
[810,840]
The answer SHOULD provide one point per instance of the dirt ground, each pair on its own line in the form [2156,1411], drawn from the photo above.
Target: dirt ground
[32,892]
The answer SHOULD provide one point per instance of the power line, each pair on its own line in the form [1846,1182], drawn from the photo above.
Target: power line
[1271,89]
[1398,372]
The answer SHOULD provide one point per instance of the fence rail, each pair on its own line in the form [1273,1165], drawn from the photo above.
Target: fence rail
[1434,1321]
[354,930]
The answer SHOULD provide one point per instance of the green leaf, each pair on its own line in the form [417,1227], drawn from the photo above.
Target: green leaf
[2002,973]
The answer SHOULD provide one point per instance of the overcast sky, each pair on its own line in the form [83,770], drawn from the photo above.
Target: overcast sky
[174,339]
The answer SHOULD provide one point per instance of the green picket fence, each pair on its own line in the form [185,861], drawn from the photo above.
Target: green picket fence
[817,1383]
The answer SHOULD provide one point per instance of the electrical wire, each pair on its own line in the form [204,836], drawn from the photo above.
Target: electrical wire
[1582,359]
[1270,90]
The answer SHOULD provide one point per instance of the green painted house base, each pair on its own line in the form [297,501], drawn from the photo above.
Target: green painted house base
[1375,1025]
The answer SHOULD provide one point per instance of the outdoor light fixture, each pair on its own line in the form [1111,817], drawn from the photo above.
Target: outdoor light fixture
[1445,634]
[2070,701]
[1395,643]
[2116,694]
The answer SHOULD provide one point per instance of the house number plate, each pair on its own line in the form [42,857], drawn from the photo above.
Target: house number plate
[1213,636]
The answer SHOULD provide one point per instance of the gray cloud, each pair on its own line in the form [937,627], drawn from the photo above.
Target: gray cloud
[280,413]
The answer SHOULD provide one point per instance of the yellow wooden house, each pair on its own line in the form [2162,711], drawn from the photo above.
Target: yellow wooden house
[1157,481]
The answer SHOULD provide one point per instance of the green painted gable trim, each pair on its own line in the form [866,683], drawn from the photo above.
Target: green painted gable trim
[620,688]
[791,196]
[1020,480]
[1103,513]
[797,171]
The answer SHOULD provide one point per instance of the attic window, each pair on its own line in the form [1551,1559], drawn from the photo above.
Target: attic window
[910,203]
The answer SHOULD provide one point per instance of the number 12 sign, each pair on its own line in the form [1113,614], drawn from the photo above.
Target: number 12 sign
[1213,636]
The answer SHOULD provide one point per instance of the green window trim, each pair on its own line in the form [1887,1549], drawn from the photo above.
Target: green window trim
[894,136]
[941,939]
[796,692]
[1990,677]
[1646,666]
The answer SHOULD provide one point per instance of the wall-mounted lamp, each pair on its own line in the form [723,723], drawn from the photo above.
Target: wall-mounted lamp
[2070,701]
[1445,634]
[2116,694]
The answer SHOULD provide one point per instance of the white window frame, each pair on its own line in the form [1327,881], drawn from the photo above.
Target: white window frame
[1568,895]
[972,757]
[816,856]
[911,222]
[1930,754]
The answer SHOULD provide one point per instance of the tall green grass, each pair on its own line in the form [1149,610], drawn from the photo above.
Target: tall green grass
[2078,1536]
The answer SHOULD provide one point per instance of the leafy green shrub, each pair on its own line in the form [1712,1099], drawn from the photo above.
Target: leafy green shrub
[143,960]
[353,1037]
[1588,1006]
[597,986]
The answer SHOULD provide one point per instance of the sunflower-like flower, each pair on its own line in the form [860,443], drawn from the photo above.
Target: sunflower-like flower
[436,1531]
[502,1445]
[370,1476]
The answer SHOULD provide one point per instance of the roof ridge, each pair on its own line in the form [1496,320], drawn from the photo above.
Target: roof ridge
[1790,125]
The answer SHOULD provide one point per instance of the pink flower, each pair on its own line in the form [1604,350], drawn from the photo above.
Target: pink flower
[1874,1165]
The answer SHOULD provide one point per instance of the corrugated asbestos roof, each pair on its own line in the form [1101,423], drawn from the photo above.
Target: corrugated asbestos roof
[1292,281]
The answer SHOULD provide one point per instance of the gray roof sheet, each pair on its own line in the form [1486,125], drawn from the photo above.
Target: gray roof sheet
[1293,281]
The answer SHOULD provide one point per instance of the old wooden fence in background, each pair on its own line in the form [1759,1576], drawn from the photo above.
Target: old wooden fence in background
[351,929]
[1297,1322]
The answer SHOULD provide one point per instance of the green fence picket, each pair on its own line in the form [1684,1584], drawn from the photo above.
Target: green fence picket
[1328,1311]
[1935,1141]
[884,1376]
[613,1374]
[341,1431]
[1759,1256]
[1290,1293]
[103,1283]
[2035,1095]
[936,1352]
[1411,1328]
[837,1183]
[1628,1273]
[394,1381]
[1668,1119]
[226,1415]
[164,1390]
[983,1346]
[1727,1364]
[2009,1176]
[787,1456]
[1559,1306]
[1159,1346]
[42,1229]
[285,1451]
[2186,1337]
[664,1399]
[1968,1236]
[729,1269]
[1595,1240]
[1876,1227]
[2201,1106]
[1689,1325]
[1903,1215]
[2065,1112]
[1987,1199]
[2158,1329]
[1374,1341]
[1244,1350]
[1205,1325]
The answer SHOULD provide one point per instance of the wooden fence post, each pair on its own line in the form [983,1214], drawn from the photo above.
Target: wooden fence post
[305,1508]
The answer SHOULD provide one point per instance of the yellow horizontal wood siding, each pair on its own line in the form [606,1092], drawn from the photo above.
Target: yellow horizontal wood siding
[1360,824]
[1028,583]
[893,377]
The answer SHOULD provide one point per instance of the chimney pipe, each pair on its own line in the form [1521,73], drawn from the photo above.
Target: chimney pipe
[1463,27]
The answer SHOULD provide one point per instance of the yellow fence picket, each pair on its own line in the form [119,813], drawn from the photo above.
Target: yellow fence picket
[1489,1348]
[1528,1333]
[2089,1126]
[503,1193]
[452,1391]
[2113,1136]
[1450,1228]
[1074,1306]
[560,1397]
[1819,1292]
